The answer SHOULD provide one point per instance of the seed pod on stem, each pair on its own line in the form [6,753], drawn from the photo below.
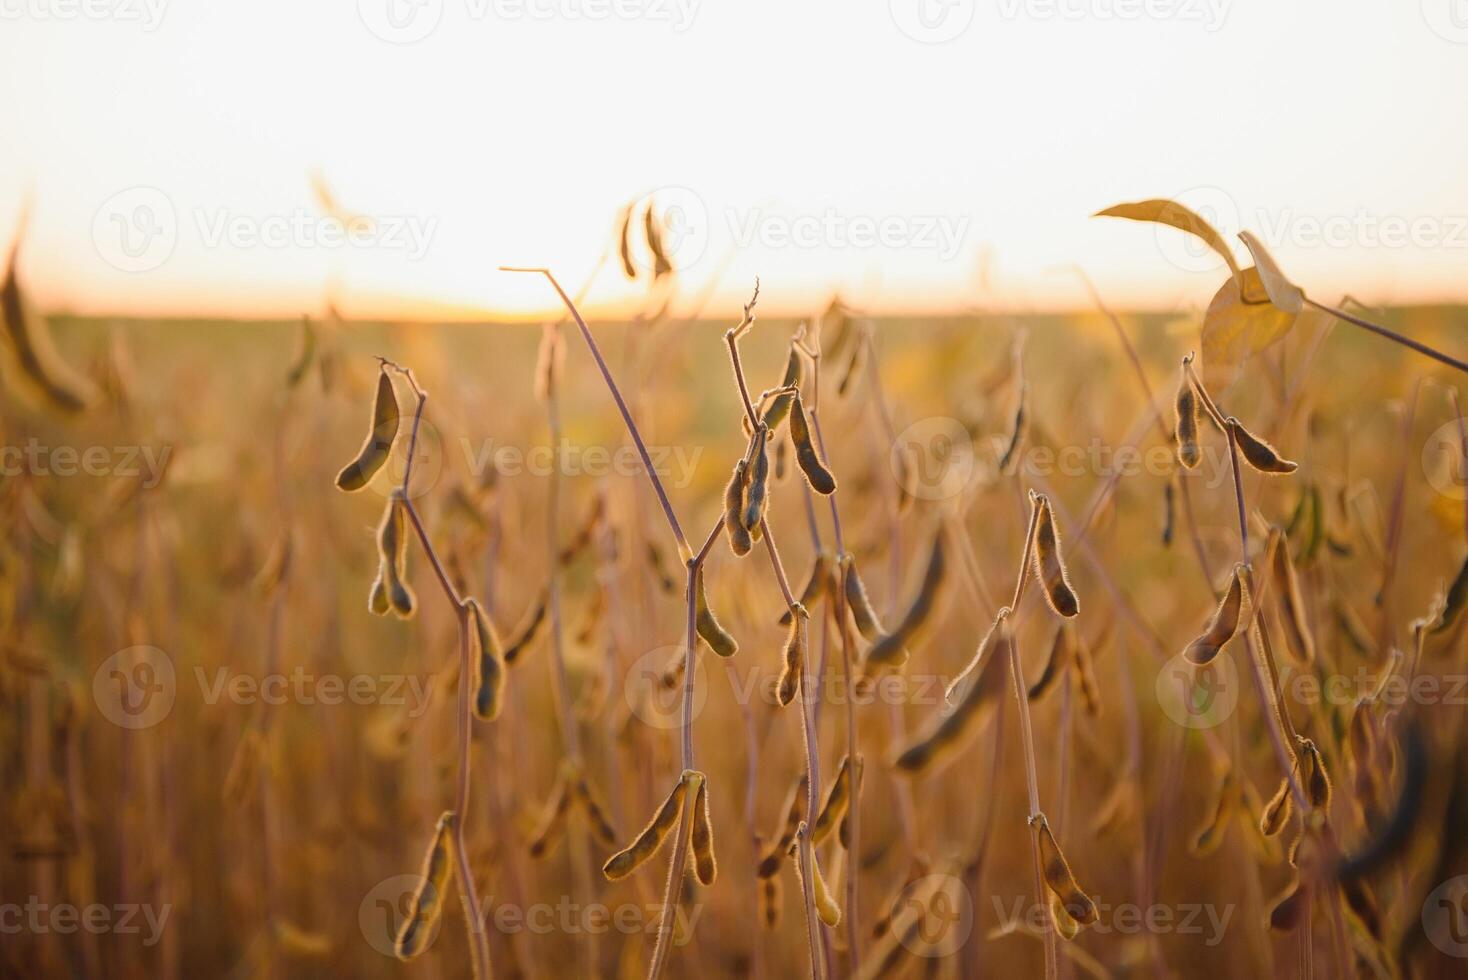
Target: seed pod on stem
[489,680]
[1188,451]
[1222,627]
[718,638]
[624,862]
[1258,453]
[816,474]
[862,613]
[794,666]
[815,586]
[378,445]
[739,538]
[982,684]
[427,902]
[838,798]
[1050,561]
[794,810]
[1060,880]
[891,648]
[701,835]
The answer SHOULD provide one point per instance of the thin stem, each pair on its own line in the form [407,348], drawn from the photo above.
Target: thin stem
[606,374]
[1027,736]
[478,942]
[1391,335]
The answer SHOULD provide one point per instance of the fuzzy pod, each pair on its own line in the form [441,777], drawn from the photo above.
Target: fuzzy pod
[647,843]
[1297,628]
[1258,453]
[553,821]
[983,685]
[1289,908]
[428,899]
[595,810]
[780,405]
[891,648]
[1062,652]
[489,676]
[833,811]
[816,473]
[740,540]
[1018,426]
[1222,627]
[794,661]
[1189,453]
[862,613]
[1277,811]
[1060,880]
[701,835]
[794,810]
[1050,563]
[1209,837]
[719,639]
[375,450]
[757,481]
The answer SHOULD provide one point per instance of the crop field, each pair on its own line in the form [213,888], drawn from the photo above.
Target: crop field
[721,645]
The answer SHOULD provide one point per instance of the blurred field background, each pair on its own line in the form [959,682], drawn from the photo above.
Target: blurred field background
[274,835]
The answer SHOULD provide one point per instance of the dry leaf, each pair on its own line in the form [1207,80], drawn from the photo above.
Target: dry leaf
[1171,213]
[1237,326]
[1282,293]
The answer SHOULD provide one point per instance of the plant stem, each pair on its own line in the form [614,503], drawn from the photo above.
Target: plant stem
[1391,335]
[606,374]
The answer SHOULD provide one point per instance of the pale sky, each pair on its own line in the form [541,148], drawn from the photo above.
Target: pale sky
[910,154]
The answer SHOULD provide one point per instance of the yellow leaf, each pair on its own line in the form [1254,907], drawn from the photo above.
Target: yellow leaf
[1282,293]
[1237,326]
[1171,213]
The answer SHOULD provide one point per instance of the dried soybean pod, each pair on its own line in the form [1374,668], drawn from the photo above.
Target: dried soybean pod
[838,798]
[815,586]
[661,264]
[32,349]
[428,899]
[1060,880]
[780,405]
[1288,909]
[1258,453]
[1188,451]
[987,670]
[1297,630]
[1317,779]
[1169,513]
[1016,430]
[377,598]
[769,864]
[857,601]
[596,813]
[624,245]
[624,862]
[826,907]
[794,666]
[757,482]
[392,549]
[1457,599]
[890,649]
[553,822]
[816,474]
[529,628]
[709,629]
[782,459]
[1062,650]
[1277,811]
[1066,927]
[489,679]
[702,835]
[1050,561]
[739,538]
[1086,679]
[1222,627]
[378,445]
[769,901]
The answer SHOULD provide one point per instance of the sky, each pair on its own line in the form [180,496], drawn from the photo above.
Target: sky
[911,155]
